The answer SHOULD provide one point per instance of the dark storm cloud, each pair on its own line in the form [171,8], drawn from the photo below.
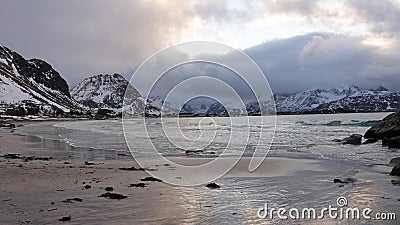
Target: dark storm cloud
[83,38]
[323,60]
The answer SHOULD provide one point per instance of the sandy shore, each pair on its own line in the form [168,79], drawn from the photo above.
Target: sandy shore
[43,191]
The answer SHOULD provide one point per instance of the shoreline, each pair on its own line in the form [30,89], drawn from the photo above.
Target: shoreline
[44,190]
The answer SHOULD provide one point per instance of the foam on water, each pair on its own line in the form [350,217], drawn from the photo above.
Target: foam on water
[295,136]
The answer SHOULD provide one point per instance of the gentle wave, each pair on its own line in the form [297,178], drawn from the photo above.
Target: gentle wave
[357,123]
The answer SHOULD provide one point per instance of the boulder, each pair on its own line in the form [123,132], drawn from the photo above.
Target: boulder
[388,127]
[344,180]
[395,161]
[393,142]
[384,141]
[213,186]
[188,152]
[354,139]
[395,171]
[370,141]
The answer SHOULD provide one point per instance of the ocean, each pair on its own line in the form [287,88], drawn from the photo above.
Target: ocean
[304,136]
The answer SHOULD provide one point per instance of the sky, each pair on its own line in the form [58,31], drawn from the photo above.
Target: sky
[298,44]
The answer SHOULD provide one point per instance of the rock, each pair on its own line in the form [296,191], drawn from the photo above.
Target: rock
[30,158]
[109,189]
[393,142]
[65,219]
[396,182]
[89,163]
[7,125]
[213,186]
[71,200]
[151,179]
[395,171]
[113,196]
[388,127]
[354,139]
[395,161]
[337,140]
[384,141]
[87,186]
[344,181]
[141,185]
[188,152]
[12,156]
[370,141]
[132,169]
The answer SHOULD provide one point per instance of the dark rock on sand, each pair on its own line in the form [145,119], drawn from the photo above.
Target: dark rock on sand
[395,171]
[12,156]
[188,152]
[141,185]
[89,163]
[388,127]
[31,158]
[213,186]
[395,161]
[65,219]
[109,189]
[396,182]
[24,158]
[354,139]
[87,186]
[344,180]
[71,200]
[113,196]
[151,179]
[132,169]
[7,125]
[393,142]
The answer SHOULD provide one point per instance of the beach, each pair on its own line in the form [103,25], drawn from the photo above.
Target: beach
[44,185]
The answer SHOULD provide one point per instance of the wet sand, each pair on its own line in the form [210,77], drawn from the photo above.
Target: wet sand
[44,191]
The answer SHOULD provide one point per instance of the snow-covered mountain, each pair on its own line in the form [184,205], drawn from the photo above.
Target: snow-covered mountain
[157,106]
[107,92]
[364,101]
[32,87]
[348,99]
[310,99]
[196,109]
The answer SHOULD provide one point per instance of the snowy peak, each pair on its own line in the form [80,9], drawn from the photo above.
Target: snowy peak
[364,101]
[107,91]
[311,99]
[32,87]
[381,88]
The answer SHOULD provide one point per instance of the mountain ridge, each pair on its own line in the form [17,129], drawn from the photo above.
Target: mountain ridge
[32,86]
[105,91]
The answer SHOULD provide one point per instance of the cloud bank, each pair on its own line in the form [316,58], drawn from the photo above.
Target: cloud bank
[304,43]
